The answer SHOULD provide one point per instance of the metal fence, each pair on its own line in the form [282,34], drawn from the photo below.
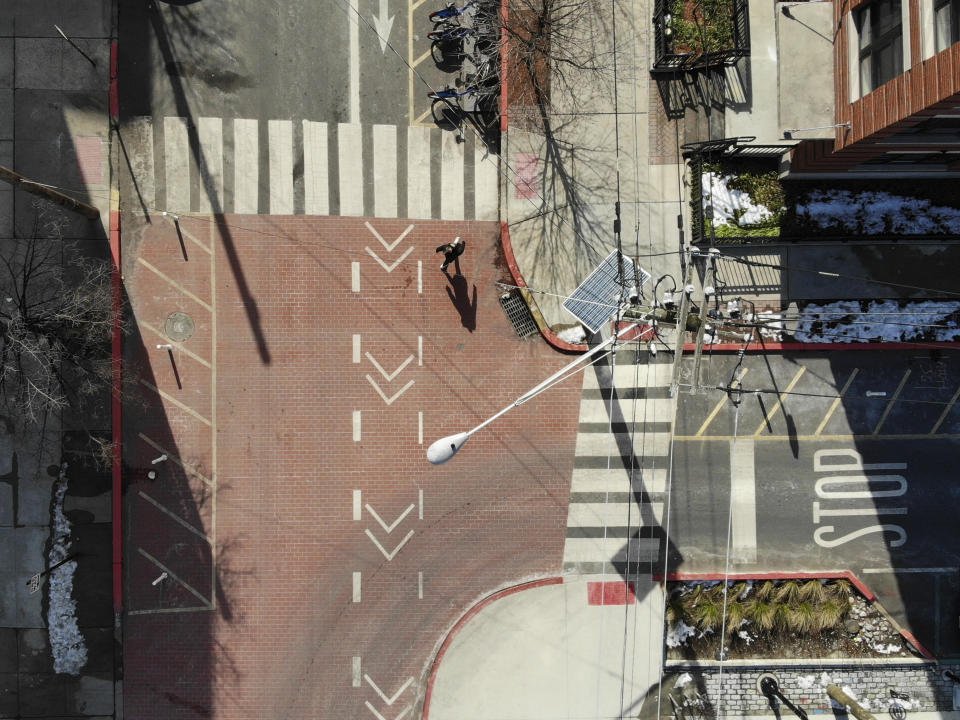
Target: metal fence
[666,60]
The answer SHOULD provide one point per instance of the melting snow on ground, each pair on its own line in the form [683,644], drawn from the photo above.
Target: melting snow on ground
[66,642]
[679,634]
[844,321]
[684,679]
[726,202]
[573,334]
[872,213]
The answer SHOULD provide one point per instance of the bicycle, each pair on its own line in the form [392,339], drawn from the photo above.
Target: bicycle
[449,12]
[450,33]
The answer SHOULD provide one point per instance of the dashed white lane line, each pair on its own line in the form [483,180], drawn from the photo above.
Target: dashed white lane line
[355,276]
[356,347]
[174,284]
[357,505]
[356,586]
[356,426]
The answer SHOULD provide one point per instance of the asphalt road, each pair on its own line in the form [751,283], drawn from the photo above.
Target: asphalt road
[283,59]
[850,466]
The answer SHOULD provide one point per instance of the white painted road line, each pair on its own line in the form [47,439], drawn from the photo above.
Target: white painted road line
[385,170]
[614,514]
[246,167]
[210,135]
[280,135]
[353,22]
[606,444]
[316,180]
[485,183]
[356,347]
[418,172]
[598,410]
[743,489]
[350,148]
[176,154]
[609,549]
[451,177]
[355,276]
[357,673]
[627,376]
[357,504]
[356,587]
[356,426]
[618,480]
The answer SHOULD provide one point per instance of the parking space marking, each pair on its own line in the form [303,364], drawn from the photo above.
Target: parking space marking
[776,406]
[946,411]
[836,403]
[174,458]
[893,400]
[717,408]
[173,516]
[167,396]
[173,576]
[178,346]
[173,283]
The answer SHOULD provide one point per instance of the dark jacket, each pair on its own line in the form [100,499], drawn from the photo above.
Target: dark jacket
[452,250]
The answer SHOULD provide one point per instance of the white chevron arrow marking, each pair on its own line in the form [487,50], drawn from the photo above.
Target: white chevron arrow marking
[389,401]
[391,555]
[387,700]
[378,236]
[396,522]
[391,376]
[403,712]
[390,268]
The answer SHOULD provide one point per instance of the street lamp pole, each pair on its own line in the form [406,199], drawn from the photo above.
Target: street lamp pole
[445,448]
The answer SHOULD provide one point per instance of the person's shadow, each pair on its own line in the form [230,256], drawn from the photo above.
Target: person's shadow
[460,298]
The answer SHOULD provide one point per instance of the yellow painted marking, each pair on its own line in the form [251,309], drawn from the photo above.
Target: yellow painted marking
[414,6]
[713,413]
[189,236]
[421,58]
[419,120]
[172,516]
[173,576]
[166,278]
[182,406]
[946,411]
[180,348]
[173,457]
[159,611]
[836,402]
[779,402]
[883,418]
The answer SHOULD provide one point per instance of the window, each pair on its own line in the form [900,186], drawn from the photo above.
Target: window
[881,43]
[946,23]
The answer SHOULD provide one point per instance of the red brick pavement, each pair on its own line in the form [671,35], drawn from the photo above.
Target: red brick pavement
[275,494]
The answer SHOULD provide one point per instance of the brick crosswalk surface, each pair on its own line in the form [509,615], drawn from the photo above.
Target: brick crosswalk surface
[289,552]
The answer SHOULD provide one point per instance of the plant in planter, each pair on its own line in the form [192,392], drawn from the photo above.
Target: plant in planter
[700,27]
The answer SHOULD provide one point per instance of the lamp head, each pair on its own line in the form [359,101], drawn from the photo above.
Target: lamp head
[445,448]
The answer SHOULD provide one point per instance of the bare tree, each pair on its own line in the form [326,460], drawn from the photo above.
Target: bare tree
[56,320]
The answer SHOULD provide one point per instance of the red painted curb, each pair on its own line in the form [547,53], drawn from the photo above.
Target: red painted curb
[867,593]
[114,94]
[116,410]
[467,616]
[549,335]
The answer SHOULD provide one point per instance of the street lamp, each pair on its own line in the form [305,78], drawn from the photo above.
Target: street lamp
[445,448]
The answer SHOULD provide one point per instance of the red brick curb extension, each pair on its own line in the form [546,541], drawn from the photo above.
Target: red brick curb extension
[467,616]
[867,593]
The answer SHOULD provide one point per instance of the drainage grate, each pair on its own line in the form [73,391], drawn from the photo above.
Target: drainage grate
[518,312]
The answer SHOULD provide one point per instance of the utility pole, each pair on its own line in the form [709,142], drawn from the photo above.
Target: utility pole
[18,180]
[681,326]
[848,702]
[708,291]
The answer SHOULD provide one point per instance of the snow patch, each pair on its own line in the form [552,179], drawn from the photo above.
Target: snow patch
[683,680]
[66,642]
[727,202]
[745,636]
[872,213]
[679,634]
[887,649]
[805,682]
[573,334]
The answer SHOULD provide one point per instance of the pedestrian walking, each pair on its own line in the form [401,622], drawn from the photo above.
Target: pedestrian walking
[451,251]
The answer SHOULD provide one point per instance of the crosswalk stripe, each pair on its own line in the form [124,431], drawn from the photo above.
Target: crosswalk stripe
[280,137]
[246,166]
[385,170]
[350,145]
[418,172]
[616,479]
[210,134]
[451,178]
[626,375]
[316,182]
[614,514]
[609,549]
[138,139]
[658,410]
[486,194]
[615,444]
[176,153]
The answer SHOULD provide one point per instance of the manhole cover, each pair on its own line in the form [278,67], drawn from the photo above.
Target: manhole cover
[179,326]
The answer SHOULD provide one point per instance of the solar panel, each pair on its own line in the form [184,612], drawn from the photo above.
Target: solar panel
[597,298]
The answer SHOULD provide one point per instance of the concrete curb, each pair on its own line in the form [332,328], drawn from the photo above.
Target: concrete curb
[464,619]
[861,586]
[548,334]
